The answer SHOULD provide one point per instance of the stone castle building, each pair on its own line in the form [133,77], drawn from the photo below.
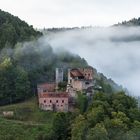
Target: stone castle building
[49,99]
[48,96]
[53,101]
[79,79]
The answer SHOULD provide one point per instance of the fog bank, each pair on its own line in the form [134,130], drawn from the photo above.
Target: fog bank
[114,51]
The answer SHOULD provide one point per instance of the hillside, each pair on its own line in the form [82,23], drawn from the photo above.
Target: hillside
[28,122]
[107,117]
[13,30]
[28,111]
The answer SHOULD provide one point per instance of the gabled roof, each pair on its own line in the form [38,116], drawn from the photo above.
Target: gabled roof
[76,73]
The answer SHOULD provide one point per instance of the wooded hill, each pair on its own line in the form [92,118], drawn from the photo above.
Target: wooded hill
[13,30]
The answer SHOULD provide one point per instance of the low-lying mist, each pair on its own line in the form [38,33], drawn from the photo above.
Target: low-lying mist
[39,60]
[114,51]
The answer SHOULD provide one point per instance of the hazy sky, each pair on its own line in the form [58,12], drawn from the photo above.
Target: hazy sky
[58,13]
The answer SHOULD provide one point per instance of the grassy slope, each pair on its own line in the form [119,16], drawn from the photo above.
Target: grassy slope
[28,122]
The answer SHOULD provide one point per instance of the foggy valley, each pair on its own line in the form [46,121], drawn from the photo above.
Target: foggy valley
[70,70]
[113,51]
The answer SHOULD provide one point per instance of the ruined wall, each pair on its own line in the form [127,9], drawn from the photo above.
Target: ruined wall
[77,84]
[69,77]
[81,85]
[88,73]
[46,87]
[87,84]
[53,101]
[54,104]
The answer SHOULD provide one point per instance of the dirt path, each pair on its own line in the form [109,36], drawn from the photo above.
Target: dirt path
[23,122]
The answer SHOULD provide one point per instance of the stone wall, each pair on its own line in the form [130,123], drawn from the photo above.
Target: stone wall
[54,101]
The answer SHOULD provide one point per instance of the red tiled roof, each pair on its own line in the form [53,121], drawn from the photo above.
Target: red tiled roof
[54,95]
[49,86]
[75,73]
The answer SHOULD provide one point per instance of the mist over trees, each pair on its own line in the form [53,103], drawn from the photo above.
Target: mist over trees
[28,64]
[23,65]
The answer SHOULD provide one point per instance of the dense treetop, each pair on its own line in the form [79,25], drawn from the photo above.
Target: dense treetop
[13,30]
[108,117]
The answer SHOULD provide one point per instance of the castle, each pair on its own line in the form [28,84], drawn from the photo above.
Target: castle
[79,79]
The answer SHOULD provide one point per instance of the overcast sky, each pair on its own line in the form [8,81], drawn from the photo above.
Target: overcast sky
[59,13]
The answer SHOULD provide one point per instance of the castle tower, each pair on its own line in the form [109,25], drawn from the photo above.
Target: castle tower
[59,75]
[69,78]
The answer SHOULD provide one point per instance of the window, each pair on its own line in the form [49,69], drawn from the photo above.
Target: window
[56,101]
[87,83]
[44,101]
[44,90]
[61,105]
[88,74]
[50,101]
[62,101]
